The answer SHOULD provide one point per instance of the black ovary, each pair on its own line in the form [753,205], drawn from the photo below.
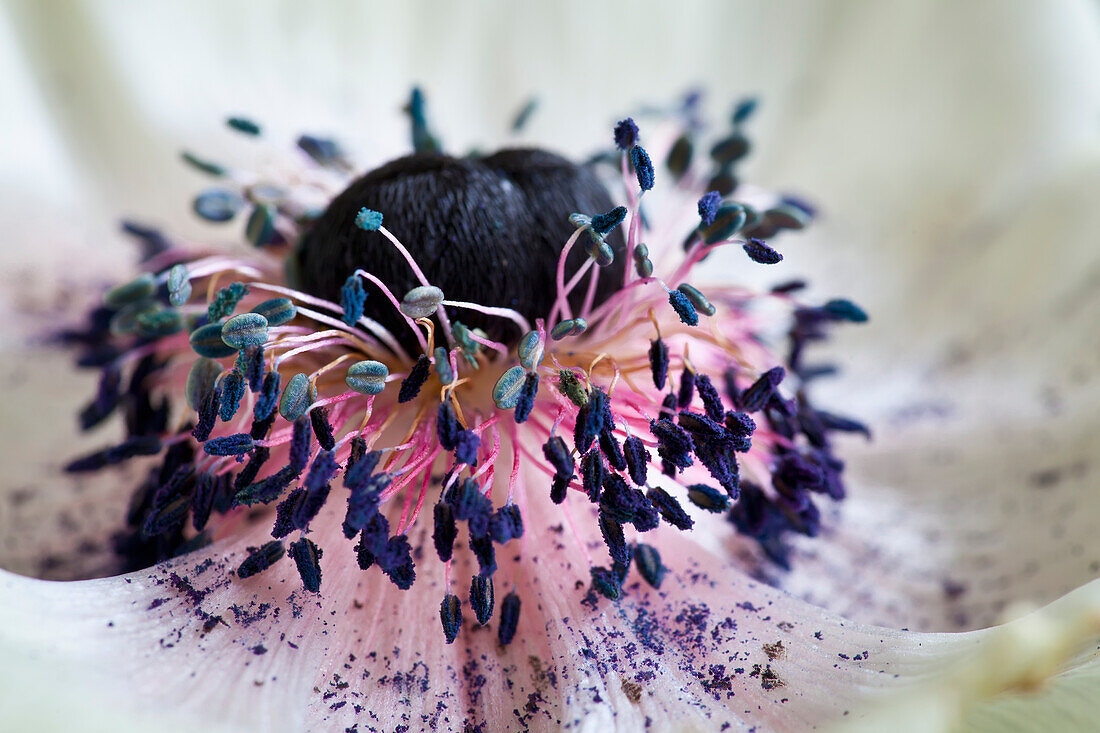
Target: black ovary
[484,230]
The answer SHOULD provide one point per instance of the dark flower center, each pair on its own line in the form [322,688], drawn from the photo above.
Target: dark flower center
[487,230]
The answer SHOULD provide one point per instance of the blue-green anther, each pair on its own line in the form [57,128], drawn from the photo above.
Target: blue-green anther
[217,205]
[421,302]
[247,329]
[367,377]
[443,366]
[462,338]
[697,299]
[601,252]
[570,385]
[277,311]
[200,381]
[260,229]
[177,276]
[124,322]
[507,389]
[180,297]
[179,285]
[207,341]
[530,350]
[572,327]
[206,166]
[727,221]
[296,397]
[159,322]
[141,287]
[642,264]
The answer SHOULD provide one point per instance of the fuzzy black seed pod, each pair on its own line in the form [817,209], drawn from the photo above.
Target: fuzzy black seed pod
[512,208]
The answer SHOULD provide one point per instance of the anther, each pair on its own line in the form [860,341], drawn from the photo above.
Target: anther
[698,300]
[709,498]
[845,310]
[683,308]
[643,167]
[606,582]
[602,224]
[207,341]
[410,386]
[421,302]
[648,562]
[277,311]
[530,350]
[225,301]
[443,366]
[527,395]
[506,391]
[509,618]
[367,377]
[232,392]
[200,381]
[307,556]
[450,613]
[482,598]
[679,157]
[352,299]
[626,134]
[261,558]
[445,531]
[670,509]
[318,418]
[727,220]
[243,125]
[637,459]
[296,397]
[229,445]
[708,207]
[368,220]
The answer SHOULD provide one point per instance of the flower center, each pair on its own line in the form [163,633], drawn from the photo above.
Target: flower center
[485,230]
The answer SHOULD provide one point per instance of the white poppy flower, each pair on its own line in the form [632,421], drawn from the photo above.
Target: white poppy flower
[953,151]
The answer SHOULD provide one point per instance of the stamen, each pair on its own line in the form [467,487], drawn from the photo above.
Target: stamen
[509,618]
[670,509]
[368,220]
[755,397]
[527,394]
[698,300]
[410,386]
[626,134]
[727,220]
[229,445]
[683,308]
[260,559]
[643,167]
[761,253]
[201,379]
[450,613]
[296,397]
[232,392]
[277,311]
[648,562]
[709,498]
[679,157]
[845,310]
[318,418]
[367,377]
[482,598]
[708,207]
[421,302]
[606,582]
[352,299]
[207,341]
[506,392]
[225,301]
[445,531]
[307,556]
